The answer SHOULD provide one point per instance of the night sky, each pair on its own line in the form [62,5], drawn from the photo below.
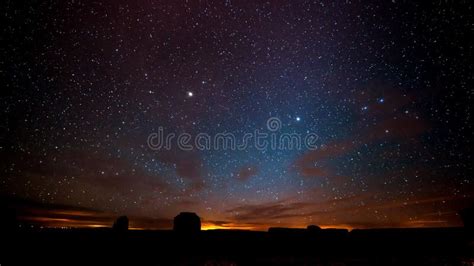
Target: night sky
[387,87]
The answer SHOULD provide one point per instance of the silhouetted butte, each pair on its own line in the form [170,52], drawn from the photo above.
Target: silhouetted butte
[187,222]
[121,224]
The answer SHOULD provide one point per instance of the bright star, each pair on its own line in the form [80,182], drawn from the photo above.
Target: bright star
[298,118]
[190,94]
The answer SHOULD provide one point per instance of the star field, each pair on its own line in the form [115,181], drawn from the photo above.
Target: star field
[387,88]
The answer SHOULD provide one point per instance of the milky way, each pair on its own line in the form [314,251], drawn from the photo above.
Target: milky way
[385,87]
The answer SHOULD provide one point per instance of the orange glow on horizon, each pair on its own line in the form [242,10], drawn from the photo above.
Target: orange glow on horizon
[80,220]
[209,226]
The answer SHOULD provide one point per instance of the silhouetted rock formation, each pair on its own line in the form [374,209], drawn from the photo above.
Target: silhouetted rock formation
[187,222]
[121,224]
[313,228]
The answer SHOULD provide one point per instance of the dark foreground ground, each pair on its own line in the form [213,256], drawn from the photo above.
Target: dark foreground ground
[443,246]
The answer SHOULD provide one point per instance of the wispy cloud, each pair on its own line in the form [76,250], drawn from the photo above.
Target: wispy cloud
[55,215]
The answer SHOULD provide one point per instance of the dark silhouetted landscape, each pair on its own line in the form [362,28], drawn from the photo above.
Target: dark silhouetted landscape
[186,244]
[237,132]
